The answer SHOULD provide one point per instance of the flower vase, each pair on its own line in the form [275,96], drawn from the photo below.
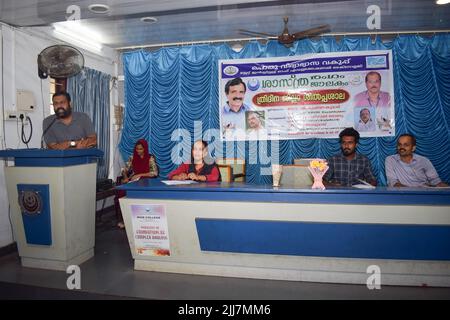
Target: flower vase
[318,183]
[277,170]
[318,169]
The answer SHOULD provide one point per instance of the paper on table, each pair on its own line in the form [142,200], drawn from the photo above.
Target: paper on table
[177,182]
[433,187]
[363,186]
[364,182]
[130,181]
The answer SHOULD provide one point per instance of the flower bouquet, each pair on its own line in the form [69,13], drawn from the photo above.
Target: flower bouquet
[318,167]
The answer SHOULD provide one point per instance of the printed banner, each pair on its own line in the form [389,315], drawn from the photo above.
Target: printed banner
[150,232]
[310,96]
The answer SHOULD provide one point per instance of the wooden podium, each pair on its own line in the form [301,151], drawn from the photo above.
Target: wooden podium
[52,198]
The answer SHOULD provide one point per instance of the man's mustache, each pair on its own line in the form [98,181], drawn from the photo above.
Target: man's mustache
[402,150]
[237,99]
[62,113]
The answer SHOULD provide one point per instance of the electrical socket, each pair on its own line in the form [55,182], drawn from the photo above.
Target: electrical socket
[15,115]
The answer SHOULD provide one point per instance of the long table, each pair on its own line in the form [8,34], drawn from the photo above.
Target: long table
[396,236]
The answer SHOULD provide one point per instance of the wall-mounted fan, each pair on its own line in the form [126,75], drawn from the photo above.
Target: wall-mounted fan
[287,38]
[60,61]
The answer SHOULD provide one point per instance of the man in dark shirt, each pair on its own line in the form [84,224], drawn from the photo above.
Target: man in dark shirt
[349,168]
[66,129]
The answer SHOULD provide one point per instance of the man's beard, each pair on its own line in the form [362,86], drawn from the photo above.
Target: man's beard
[348,152]
[62,113]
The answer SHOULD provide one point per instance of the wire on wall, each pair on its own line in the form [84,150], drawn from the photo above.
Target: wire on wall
[3,96]
[42,99]
[24,138]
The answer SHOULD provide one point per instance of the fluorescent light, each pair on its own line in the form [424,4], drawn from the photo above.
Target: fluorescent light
[237,47]
[77,35]
[442,1]
[149,20]
[99,8]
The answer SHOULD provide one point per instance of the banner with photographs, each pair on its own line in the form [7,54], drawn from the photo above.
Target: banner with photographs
[309,96]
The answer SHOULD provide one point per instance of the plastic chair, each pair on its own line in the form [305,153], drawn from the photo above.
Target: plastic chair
[297,176]
[303,161]
[226,172]
[237,168]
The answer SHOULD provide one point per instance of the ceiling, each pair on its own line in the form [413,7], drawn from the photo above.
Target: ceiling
[213,20]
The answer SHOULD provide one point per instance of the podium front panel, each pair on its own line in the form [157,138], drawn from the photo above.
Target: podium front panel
[34,202]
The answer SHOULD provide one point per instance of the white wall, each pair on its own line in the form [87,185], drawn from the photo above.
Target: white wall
[6,35]
[20,51]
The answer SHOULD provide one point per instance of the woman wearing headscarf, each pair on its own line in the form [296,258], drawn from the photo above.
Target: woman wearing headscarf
[140,165]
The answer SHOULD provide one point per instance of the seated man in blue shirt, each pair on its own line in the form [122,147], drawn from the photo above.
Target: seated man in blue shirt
[407,169]
[350,167]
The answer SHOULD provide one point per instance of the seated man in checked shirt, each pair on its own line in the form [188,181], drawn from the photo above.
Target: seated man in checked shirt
[350,167]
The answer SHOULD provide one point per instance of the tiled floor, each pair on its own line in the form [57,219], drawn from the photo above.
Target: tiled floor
[110,274]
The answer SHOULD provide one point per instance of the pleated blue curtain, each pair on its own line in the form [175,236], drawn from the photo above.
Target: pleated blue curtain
[89,91]
[174,87]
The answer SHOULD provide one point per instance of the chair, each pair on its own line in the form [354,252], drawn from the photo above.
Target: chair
[103,195]
[297,176]
[226,172]
[233,167]
[118,194]
[303,161]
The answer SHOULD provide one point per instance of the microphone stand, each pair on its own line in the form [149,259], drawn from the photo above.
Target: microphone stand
[45,131]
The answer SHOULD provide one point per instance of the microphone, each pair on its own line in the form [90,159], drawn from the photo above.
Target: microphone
[45,131]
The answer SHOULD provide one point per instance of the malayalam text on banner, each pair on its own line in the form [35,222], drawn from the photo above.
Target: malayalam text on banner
[310,96]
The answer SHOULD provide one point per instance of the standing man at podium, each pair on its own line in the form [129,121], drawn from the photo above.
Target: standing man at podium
[68,129]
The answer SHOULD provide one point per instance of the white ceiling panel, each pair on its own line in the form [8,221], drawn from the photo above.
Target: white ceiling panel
[203,20]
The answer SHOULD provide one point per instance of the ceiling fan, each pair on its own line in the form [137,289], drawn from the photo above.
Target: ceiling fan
[287,38]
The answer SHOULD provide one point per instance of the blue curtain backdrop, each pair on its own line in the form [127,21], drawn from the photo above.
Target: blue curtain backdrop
[89,91]
[173,87]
